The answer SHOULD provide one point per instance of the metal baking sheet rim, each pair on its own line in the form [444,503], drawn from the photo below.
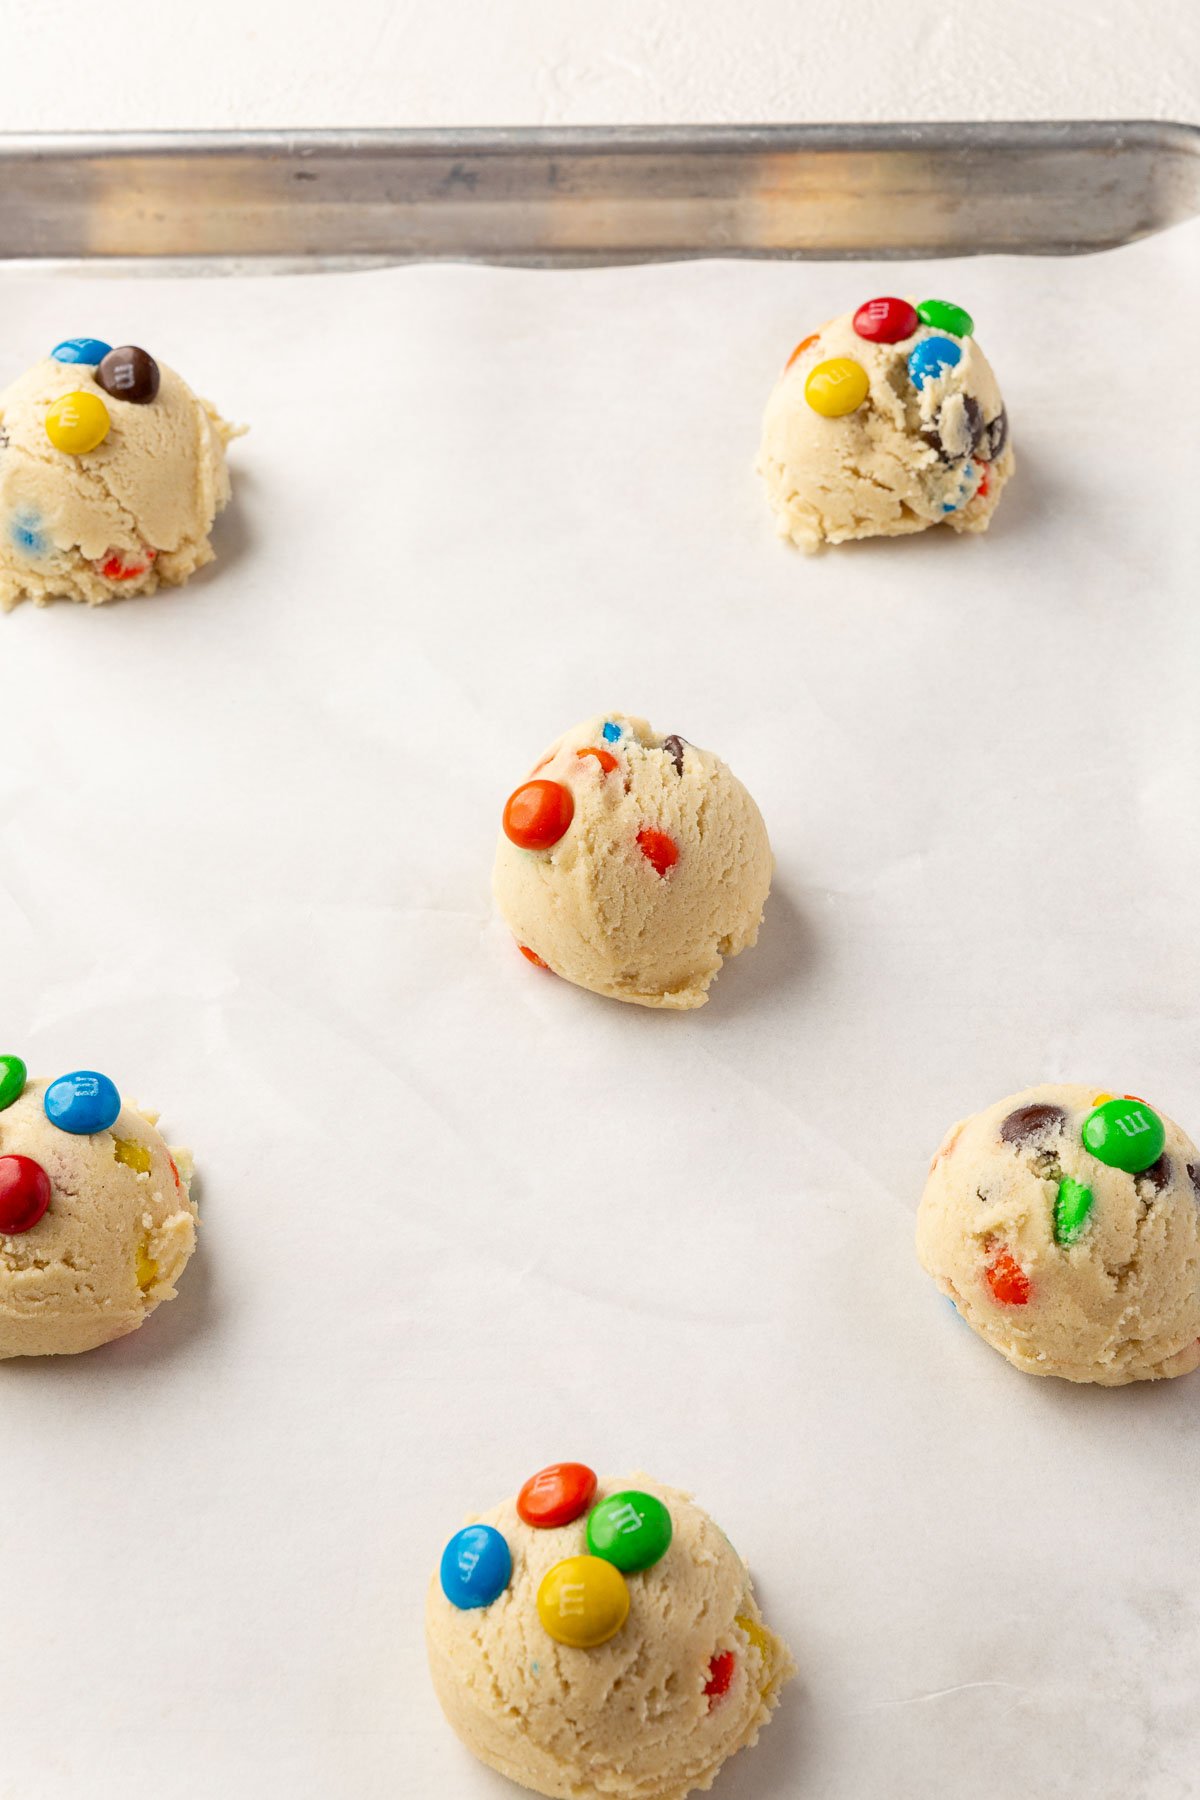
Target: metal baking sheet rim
[225,202]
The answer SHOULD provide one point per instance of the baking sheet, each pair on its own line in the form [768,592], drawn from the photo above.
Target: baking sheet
[461,1219]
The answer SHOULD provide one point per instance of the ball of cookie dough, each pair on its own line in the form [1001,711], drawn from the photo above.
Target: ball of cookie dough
[1065,1226]
[885,421]
[111,474]
[632,864]
[601,1639]
[96,1223]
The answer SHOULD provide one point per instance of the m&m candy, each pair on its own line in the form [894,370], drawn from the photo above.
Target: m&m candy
[755,1632]
[82,1103]
[135,1156]
[1125,1134]
[611,733]
[720,1677]
[943,315]
[1035,1124]
[129,374]
[13,1074]
[631,1530]
[538,814]
[804,344]
[24,1194]
[1007,1279]
[89,351]
[605,758]
[661,851]
[476,1567]
[886,320]
[583,1601]
[930,357]
[556,1495]
[114,567]
[77,423]
[836,387]
[1072,1208]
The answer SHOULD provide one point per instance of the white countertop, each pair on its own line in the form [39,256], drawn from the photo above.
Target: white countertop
[268,63]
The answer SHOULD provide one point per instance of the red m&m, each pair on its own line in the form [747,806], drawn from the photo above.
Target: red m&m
[538,814]
[660,851]
[886,320]
[720,1676]
[24,1194]
[556,1495]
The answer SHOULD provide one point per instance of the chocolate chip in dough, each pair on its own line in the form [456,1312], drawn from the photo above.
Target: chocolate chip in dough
[994,438]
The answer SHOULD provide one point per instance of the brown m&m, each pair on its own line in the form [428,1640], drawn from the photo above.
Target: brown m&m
[128,373]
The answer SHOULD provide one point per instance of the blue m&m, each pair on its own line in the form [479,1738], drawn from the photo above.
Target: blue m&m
[612,733]
[82,1103]
[81,350]
[476,1567]
[927,360]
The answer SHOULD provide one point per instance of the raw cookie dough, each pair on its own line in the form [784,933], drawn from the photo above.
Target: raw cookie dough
[118,1224]
[126,515]
[1065,1226]
[885,421]
[669,1668]
[632,864]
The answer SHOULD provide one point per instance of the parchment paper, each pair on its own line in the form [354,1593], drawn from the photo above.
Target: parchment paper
[461,1219]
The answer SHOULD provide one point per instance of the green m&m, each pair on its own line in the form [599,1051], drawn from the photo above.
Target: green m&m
[1125,1134]
[631,1530]
[1072,1208]
[943,315]
[12,1080]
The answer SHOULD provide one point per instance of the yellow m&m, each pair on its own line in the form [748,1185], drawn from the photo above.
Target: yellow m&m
[145,1267]
[77,423]
[837,387]
[135,1156]
[583,1601]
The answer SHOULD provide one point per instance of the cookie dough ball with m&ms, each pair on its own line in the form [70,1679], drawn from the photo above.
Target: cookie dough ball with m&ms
[96,1222]
[632,864]
[111,474]
[885,421]
[600,1639]
[1064,1223]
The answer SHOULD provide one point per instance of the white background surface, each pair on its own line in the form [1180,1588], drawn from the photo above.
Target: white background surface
[139,63]
[461,1219]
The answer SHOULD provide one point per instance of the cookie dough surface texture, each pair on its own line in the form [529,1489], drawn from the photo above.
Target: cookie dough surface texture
[629,1718]
[113,1241]
[925,446]
[1067,1264]
[662,871]
[127,517]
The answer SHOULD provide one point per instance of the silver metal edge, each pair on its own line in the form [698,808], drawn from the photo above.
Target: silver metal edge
[571,196]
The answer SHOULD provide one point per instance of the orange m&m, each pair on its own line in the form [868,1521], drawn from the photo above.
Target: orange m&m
[801,347]
[605,758]
[556,1495]
[538,814]
[1007,1279]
